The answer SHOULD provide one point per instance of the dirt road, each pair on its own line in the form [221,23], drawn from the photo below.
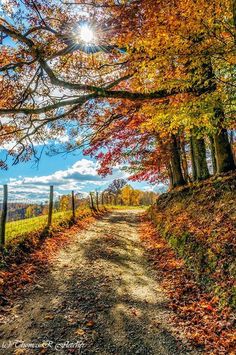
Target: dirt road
[100,297]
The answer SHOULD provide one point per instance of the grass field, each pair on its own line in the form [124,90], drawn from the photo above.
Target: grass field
[23,227]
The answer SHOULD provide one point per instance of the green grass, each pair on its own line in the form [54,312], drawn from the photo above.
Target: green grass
[26,226]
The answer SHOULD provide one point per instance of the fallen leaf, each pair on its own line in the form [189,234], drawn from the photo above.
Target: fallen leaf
[49,316]
[134,312]
[79,332]
[90,323]
[19,352]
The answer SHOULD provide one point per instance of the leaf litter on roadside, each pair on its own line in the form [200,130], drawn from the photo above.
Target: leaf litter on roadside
[197,314]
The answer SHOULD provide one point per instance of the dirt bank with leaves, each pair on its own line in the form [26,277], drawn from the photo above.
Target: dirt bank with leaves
[196,311]
[199,223]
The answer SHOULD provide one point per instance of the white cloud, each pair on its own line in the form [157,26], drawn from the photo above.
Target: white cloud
[82,170]
[81,176]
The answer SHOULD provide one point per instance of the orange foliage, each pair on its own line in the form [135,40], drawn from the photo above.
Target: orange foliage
[196,311]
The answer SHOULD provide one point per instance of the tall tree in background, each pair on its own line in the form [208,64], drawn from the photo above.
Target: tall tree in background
[115,188]
[64,203]
[130,196]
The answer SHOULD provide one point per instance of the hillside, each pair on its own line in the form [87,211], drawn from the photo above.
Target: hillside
[199,223]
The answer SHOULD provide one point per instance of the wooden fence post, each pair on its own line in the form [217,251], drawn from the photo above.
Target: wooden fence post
[3,216]
[73,205]
[97,203]
[50,209]
[91,201]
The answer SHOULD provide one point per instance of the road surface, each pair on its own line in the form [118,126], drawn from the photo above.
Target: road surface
[100,296]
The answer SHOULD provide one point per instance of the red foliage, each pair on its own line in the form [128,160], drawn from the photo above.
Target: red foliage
[121,140]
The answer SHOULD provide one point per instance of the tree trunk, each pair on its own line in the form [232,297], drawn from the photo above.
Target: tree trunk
[170,176]
[199,151]
[213,154]
[91,201]
[223,152]
[97,202]
[184,162]
[194,170]
[175,163]
[231,138]
[224,155]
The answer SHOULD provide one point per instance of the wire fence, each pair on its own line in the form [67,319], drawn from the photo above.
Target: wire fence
[21,217]
[24,216]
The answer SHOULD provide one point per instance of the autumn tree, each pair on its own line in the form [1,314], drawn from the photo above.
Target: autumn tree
[130,196]
[148,198]
[175,70]
[126,195]
[65,202]
[115,188]
[31,211]
[134,197]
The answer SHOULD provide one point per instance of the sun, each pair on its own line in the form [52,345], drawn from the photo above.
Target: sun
[86,34]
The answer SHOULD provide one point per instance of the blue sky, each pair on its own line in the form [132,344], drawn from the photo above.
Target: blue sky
[66,172]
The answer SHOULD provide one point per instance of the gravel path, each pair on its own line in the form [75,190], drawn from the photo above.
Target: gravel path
[100,297]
